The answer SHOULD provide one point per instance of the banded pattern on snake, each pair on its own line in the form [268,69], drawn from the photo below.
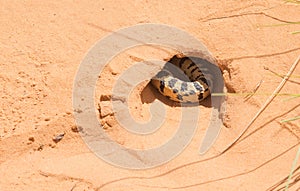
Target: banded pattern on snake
[190,87]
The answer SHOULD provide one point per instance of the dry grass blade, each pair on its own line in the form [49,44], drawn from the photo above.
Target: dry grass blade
[280,186]
[291,119]
[293,1]
[282,76]
[270,99]
[247,97]
[292,170]
[295,32]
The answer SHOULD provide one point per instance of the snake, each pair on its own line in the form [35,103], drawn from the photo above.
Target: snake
[183,83]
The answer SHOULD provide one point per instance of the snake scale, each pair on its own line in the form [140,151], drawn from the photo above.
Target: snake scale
[186,85]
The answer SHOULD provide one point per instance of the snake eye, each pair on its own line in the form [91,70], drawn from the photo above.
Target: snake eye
[200,96]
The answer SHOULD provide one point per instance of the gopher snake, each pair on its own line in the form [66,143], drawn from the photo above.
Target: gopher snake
[193,89]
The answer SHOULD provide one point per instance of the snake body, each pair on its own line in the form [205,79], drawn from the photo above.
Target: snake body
[188,85]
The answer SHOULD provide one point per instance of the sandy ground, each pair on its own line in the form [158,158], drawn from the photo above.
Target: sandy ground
[43,43]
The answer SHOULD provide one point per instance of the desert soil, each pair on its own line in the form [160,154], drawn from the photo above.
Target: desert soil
[43,43]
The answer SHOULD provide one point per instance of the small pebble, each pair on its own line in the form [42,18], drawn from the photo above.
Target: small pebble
[31,139]
[105,109]
[52,145]
[58,137]
[68,112]
[105,97]
[105,126]
[40,147]
[76,129]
